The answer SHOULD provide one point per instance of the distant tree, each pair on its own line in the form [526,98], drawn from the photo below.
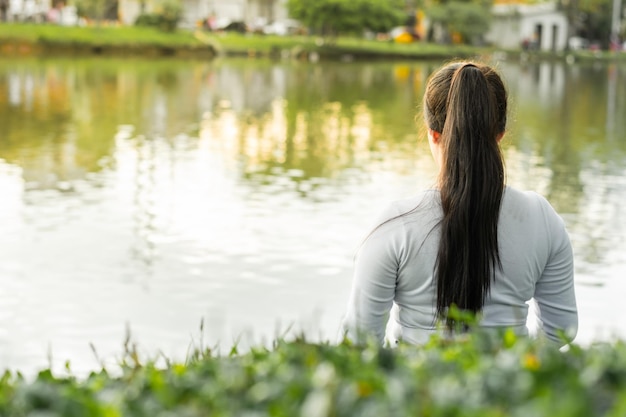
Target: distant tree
[467,19]
[591,19]
[165,16]
[97,9]
[334,17]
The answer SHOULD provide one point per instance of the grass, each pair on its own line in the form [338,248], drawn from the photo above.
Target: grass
[48,38]
[95,35]
[481,374]
[40,38]
[32,39]
[342,45]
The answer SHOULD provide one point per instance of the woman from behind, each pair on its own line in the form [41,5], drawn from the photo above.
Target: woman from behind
[470,241]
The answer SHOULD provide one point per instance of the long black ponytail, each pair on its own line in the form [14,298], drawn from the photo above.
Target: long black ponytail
[466,103]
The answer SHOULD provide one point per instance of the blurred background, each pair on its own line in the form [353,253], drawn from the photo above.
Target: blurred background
[152,195]
[546,25]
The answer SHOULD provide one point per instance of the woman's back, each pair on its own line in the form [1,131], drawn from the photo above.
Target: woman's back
[536,262]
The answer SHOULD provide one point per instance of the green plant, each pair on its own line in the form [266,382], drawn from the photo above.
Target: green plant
[166,16]
[479,373]
[334,17]
[469,19]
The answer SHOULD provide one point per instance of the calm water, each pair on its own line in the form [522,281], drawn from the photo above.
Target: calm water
[156,195]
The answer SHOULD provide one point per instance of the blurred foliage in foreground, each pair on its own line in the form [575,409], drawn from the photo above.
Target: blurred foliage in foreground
[482,374]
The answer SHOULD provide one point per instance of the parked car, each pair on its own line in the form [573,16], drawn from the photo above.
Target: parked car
[235,26]
[69,17]
[577,43]
[227,25]
[284,27]
[400,34]
[257,25]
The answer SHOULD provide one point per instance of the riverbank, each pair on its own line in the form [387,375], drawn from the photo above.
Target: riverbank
[43,40]
[24,39]
[481,375]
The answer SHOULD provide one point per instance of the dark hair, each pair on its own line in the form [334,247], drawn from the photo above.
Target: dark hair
[467,104]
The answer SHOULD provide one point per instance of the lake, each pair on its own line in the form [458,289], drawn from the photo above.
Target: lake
[147,199]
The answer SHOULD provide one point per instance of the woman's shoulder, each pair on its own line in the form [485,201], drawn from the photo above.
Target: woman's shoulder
[527,203]
[425,200]
[514,195]
[425,204]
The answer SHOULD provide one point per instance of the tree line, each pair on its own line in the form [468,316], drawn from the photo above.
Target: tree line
[462,20]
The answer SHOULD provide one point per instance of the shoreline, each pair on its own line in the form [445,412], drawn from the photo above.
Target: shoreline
[43,49]
[47,40]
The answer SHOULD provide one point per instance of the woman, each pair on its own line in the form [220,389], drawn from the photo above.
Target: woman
[472,241]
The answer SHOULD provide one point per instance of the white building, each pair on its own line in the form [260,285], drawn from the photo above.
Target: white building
[541,26]
[27,10]
[251,12]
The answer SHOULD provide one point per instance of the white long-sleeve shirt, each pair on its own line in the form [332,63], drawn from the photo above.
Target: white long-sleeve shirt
[395,265]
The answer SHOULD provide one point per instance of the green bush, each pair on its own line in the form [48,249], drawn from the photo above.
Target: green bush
[481,374]
[470,19]
[334,17]
[166,16]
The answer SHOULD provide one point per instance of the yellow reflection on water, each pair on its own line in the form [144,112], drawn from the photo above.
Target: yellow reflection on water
[314,143]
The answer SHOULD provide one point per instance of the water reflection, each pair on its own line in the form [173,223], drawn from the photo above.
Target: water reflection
[157,193]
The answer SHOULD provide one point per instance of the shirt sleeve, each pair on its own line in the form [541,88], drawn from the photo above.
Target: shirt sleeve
[554,291]
[374,283]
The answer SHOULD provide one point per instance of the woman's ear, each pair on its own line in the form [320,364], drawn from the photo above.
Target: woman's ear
[433,135]
[499,137]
